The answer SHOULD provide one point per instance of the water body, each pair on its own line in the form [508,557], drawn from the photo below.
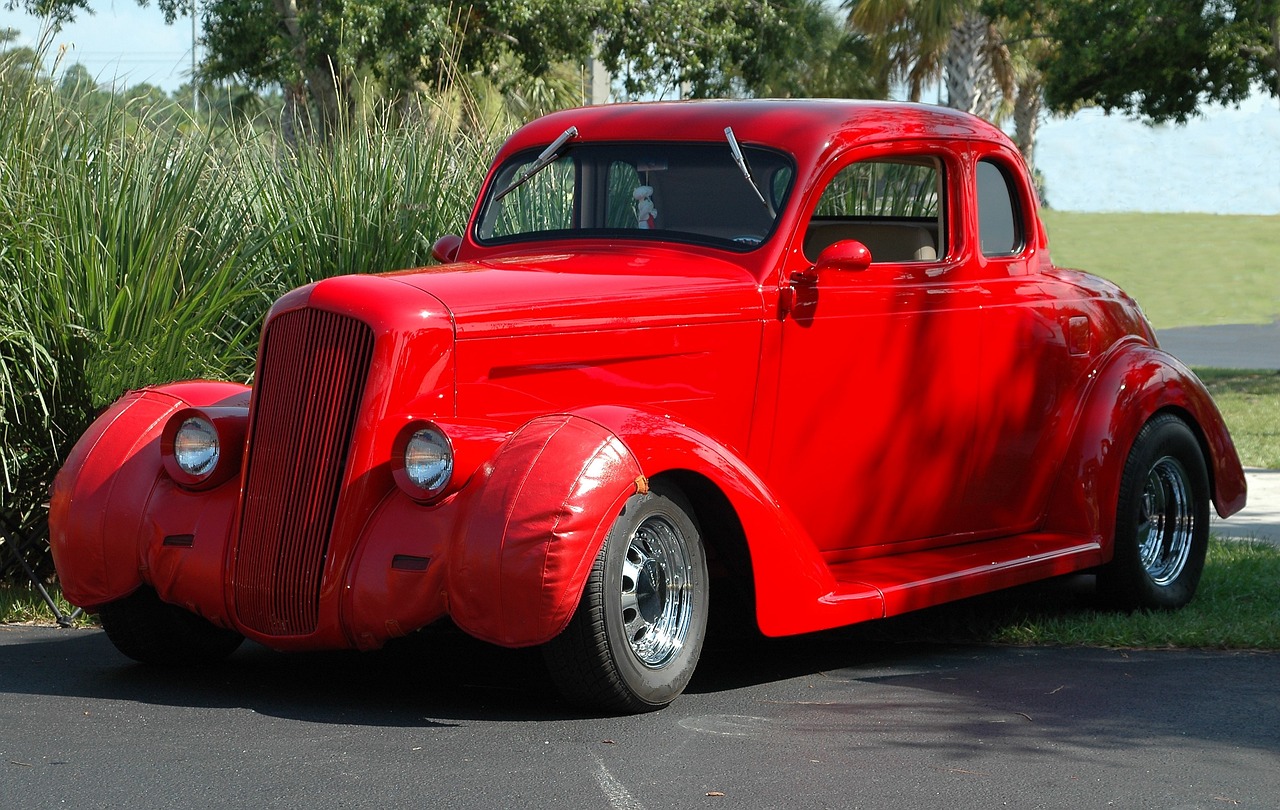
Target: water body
[1225,162]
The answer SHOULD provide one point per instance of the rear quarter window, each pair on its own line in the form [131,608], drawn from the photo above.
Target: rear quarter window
[999,225]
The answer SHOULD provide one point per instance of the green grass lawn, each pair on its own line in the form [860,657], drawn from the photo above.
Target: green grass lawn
[1250,403]
[1236,607]
[1184,269]
[21,603]
[1193,270]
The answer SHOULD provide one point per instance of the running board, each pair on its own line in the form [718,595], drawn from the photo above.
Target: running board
[920,579]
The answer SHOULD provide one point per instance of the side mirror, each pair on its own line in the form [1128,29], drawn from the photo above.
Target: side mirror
[445,248]
[847,254]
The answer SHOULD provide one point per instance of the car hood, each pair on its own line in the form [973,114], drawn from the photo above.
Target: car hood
[587,291]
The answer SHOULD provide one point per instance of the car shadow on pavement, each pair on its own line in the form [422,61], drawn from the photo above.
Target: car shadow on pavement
[739,657]
[441,673]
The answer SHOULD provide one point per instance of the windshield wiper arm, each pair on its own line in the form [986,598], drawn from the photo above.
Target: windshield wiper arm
[742,164]
[546,158]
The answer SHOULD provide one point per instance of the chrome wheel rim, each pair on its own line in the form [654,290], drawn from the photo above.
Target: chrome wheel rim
[657,594]
[1166,521]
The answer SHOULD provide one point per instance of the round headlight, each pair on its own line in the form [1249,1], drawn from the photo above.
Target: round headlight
[195,447]
[428,460]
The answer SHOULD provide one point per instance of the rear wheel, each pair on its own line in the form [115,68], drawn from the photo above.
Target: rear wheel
[1162,520]
[155,632]
[635,638]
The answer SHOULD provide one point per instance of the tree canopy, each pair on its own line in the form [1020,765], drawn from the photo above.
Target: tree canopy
[319,50]
[703,48]
[1157,59]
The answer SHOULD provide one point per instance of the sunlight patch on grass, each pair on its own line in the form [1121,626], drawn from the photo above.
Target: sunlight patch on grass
[1183,269]
[1250,404]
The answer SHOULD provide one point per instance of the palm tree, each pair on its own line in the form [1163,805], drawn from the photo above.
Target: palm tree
[921,41]
[977,66]
[909,38]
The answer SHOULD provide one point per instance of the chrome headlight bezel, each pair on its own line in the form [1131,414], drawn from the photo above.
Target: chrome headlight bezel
[424,458]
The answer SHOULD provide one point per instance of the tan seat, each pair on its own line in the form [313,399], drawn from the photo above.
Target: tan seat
[887,241]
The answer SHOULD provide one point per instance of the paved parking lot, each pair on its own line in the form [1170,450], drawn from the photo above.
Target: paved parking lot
[835,720]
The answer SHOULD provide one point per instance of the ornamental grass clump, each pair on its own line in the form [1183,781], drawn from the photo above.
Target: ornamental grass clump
[372,199]
[128,256]
[136,251]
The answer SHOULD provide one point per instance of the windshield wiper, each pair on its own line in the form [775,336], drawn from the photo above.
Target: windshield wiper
[546,158]
[742,164]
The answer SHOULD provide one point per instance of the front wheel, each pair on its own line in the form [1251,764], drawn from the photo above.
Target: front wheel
[1162,520]
[155,632]
[635,638]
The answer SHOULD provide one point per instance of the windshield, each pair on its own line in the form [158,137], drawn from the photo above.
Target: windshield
[669,191]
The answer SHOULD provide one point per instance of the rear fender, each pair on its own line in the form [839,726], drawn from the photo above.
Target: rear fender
[1133,385]
[98,509]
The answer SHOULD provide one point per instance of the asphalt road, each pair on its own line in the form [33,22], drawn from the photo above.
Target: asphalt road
[1228,346]
[835,720]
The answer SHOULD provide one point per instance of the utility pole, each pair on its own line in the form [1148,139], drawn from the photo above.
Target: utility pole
[195,93]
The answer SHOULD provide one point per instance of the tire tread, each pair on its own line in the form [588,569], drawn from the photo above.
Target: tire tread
[1123,582]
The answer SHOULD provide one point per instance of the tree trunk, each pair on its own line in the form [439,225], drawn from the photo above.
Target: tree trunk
[963,63]
[971,86]
[1026,118]
[327,86]
[331,93]
[293,122]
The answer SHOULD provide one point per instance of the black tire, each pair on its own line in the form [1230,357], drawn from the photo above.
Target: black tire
[1162,520]
[155,632]
[635,638]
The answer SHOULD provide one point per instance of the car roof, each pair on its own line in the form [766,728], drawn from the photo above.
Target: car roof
[803,127]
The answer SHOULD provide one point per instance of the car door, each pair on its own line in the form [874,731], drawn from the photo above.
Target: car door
[877,395]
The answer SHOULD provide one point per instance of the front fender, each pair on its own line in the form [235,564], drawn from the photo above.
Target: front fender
[533,529]
[1134,384]
[98,508]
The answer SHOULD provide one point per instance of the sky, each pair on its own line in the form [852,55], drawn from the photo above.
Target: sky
[121,42]
[1227,161]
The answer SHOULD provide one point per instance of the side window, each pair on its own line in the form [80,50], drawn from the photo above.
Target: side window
[998,222]
[894,207]
[882,189]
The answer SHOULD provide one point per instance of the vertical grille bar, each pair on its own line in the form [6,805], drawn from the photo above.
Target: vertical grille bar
[307,396]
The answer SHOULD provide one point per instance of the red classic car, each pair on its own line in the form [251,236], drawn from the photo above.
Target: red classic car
[814,351]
